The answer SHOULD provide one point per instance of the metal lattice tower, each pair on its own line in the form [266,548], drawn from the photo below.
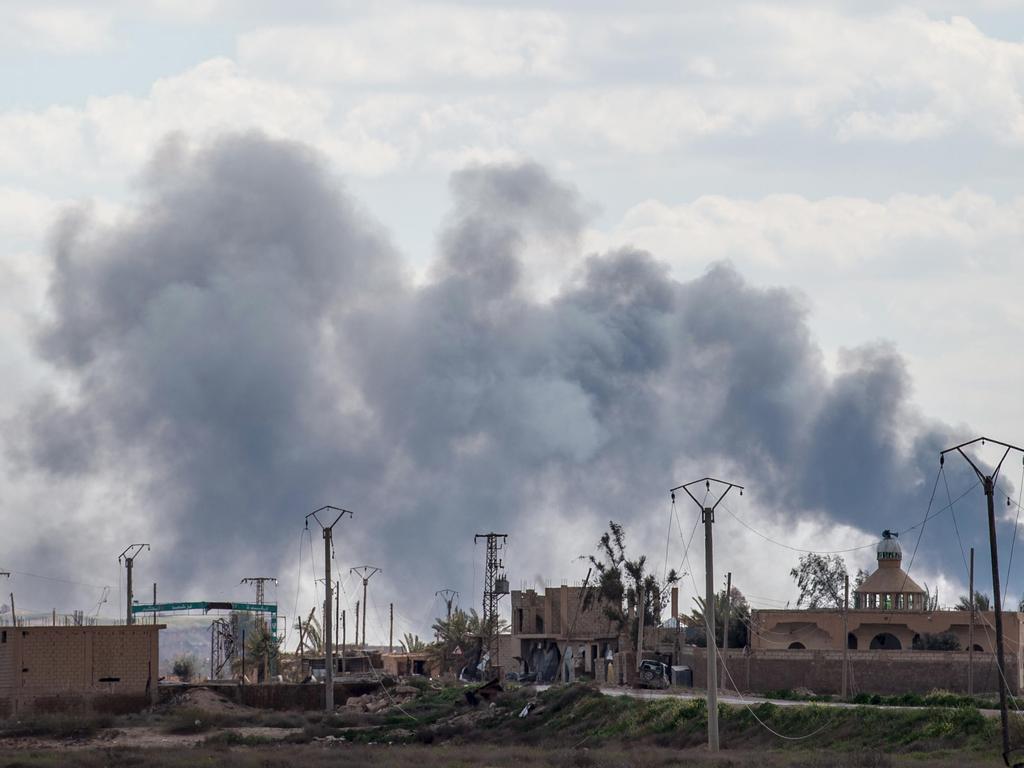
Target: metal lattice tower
[495,585]
[222,647]
[259,582]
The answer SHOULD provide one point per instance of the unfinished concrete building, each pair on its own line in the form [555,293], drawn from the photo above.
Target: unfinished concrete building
[555,636]
[105,668]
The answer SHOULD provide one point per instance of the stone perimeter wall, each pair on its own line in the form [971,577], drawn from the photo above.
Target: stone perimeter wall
[882,672]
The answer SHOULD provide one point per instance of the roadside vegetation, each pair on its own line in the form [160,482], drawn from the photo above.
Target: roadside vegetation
[575,721]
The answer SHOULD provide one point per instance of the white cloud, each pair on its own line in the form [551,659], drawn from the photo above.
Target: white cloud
[109,137]
[63,29]
[413,43]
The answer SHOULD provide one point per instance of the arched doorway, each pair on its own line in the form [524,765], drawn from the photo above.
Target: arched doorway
[885,641]
[797,646]
[851,641]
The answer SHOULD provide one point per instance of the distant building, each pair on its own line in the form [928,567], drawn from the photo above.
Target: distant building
[107,668]
[889,613]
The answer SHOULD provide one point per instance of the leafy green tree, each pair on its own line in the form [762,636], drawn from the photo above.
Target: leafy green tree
[821,581]
[982,602]
[621,582]
[739,619]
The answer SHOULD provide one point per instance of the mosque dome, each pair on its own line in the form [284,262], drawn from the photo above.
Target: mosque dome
[889,547]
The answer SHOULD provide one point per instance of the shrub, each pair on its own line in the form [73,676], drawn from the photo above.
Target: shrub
[185,666]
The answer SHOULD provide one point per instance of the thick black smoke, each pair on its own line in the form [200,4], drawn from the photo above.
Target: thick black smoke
[247,346]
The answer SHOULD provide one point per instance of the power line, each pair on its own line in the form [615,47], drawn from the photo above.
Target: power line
[920,532]
[767,538]
[58,579]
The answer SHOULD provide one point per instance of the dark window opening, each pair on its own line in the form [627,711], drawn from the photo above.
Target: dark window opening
[851,641]
[885,642]
[792,646]
[3,636]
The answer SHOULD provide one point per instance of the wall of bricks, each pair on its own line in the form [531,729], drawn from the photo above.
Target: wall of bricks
[882,672]
[62,668]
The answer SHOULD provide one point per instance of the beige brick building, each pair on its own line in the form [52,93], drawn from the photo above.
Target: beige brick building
[107,668]
[890,614]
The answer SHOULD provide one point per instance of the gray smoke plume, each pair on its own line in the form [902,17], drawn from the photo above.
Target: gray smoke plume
[247,346]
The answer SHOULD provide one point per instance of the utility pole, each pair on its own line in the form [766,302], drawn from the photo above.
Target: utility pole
[846,633]
[357,624]
[448,595]
[343,632]
[328,531]
[365,572]
[708,518]
[725,627]
[495,585]
[970,634]
[128,558]
[640,612]
[154,602]
[989,485]
[14,621]
[391,629]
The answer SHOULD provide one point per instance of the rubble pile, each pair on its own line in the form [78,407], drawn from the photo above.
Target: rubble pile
[381,700]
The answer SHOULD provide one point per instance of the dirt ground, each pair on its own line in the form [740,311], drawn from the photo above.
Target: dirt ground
[184,753]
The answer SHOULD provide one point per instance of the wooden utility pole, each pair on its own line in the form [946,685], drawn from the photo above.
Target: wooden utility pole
[154,602]
[357,624]
[725,629]
[14,614]
[366,572]
[343,639]
[846,634]
[128,558]
[970,633]
[391,629]
[328,531]
[708,518]
[989,486]
[640,627]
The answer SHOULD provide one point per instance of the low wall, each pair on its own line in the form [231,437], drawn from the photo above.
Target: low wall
[882,672]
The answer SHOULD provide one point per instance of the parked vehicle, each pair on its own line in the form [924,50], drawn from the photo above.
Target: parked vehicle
[653,674]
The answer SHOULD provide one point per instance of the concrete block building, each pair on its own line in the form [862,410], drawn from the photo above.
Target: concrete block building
[557,637]
[106,668]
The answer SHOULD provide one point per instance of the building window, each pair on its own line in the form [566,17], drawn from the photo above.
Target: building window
[3,636]
[901,601]
[910,601]
[792,646]
[888,602]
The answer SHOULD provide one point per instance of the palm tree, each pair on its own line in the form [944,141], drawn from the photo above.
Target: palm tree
[982,602]
[411,643]
[739,617]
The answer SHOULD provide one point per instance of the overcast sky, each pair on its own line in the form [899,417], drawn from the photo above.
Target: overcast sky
[485,265]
